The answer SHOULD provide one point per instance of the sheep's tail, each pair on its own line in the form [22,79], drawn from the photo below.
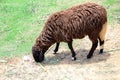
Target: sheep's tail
[102,36]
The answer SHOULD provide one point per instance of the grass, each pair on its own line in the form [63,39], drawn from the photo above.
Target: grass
[22,20]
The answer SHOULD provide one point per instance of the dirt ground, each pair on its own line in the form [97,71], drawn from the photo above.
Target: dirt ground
[104,66]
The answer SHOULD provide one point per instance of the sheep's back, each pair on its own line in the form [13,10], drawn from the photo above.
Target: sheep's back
[76,22]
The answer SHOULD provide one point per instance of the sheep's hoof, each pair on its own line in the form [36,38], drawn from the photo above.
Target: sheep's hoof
[73,58]
[89,56]
[101,51]
[55,52]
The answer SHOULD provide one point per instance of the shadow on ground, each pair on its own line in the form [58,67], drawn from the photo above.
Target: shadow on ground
[65,57]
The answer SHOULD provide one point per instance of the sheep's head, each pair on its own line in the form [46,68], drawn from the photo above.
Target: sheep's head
[38,53]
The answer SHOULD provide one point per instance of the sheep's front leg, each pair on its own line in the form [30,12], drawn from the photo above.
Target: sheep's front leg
[56,48]
[72,50]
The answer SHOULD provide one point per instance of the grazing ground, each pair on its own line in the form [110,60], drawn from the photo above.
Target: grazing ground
[21,22]
[104,66]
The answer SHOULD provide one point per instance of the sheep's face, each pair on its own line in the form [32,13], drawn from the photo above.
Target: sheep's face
[38,54]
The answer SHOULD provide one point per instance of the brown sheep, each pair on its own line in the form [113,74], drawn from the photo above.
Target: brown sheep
[74,23]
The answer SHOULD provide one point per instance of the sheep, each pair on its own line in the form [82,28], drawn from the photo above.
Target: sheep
[88,19]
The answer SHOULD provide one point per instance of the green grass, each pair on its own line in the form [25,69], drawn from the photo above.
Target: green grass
[22,20]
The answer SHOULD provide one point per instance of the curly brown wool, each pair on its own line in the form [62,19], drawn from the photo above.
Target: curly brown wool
[74,23]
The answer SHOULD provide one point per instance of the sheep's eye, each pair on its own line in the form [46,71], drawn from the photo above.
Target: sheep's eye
[41,52]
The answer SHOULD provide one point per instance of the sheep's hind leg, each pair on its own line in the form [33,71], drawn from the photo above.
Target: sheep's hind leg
[94,45]
[72,50]
[56,48]
[101,46]
[102,37]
